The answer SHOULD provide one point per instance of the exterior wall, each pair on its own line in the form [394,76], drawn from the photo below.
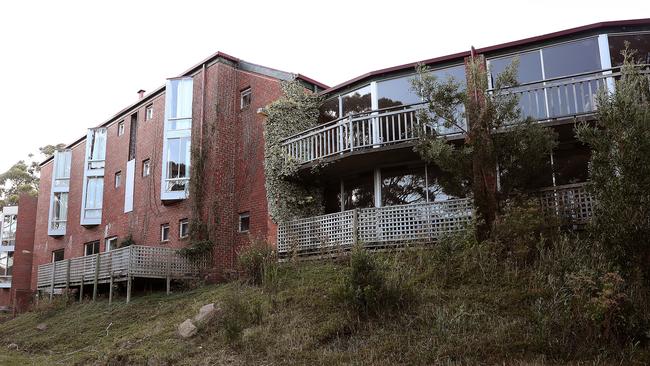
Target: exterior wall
[233,182]
[21,293]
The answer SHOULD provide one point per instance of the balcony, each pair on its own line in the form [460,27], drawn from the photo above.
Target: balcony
[382,227]
[546,100]
[117,265]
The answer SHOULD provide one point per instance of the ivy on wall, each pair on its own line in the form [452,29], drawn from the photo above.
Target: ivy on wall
[288,197]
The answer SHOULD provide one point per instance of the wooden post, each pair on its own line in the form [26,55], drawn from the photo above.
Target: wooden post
[169,271]
[67,278]
[52,281]
[128,289]
[110,290]
[81,288]
[96,282]
[355,227]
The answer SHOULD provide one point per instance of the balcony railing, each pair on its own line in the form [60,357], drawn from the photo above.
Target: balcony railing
[380,226]
[550,99]
[396,225]
[117,265]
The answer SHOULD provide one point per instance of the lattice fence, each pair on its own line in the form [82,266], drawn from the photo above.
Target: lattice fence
[572,202]
[317,233]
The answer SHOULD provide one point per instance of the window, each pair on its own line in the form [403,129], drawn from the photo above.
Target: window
[329,110]
[177,139]
[110,243]
[59,197]
[6,263]
[93,198]
[638,41]
[164,232]
[57,255]
[244,222]
[178,162]
[8,233]
[91,248]
[120,128]
[357,101]
[245,98]
[184,228]
[93,189]
[403,185]
[146,168]
[359,191]
[148,112]
[118,179]
[59,211]
[133,135]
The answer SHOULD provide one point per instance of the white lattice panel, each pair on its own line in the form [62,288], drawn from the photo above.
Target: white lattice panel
[572,203]
[316,233]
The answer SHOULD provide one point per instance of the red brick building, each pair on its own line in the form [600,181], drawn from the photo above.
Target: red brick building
[128,179]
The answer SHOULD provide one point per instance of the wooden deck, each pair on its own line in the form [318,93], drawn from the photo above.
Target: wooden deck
[391,226]
[117,265]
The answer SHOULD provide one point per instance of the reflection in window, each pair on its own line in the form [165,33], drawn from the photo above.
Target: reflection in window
[403,185]
[97,151]
[358,101]
[178,162]
[571,58]
[529,70]
[329,111]
[639,42]
[9,230]
[6,263]
[62,161]
[94,196]
[396,92]
[59,211]
[359,192]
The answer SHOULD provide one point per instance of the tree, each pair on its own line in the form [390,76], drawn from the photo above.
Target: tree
[620,173]
[22,177]
[498,136]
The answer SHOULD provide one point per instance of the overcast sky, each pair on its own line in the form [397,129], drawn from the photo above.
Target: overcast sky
[70,65]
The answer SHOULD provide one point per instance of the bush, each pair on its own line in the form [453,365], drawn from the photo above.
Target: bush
[372,287]
[258,264]
[239,312]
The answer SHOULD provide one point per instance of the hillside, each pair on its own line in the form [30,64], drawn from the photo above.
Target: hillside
[455,304]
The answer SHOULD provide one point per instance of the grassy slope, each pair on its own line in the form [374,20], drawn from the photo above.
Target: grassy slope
[463,315]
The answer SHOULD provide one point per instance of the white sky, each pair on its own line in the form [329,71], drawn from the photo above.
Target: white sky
[70,65]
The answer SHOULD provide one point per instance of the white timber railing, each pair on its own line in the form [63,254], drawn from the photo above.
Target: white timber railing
[401,224]
[571,203]
[117,265]
[549,99]
[373,227]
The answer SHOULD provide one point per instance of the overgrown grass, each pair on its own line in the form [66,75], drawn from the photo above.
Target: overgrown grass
[467,306]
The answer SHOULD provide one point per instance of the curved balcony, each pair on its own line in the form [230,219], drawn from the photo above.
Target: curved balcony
[552,99]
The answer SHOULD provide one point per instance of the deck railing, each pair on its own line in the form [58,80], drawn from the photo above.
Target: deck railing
[380,226]
[425,222]
[117,265]
[550,99]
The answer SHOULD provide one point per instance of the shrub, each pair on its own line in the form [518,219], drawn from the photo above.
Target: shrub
[258,263]
[372,287]
[239,312]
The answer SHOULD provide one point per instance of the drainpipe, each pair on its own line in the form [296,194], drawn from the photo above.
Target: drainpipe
[202,109]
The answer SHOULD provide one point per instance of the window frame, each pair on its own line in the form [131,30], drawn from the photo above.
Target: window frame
[60,185]
[245,95]
[120,128]
[57,251]
[148,112]
[107,243]
[242,216]
[96,246]
[165,237]
[146,168]
[183,223]
[117,182]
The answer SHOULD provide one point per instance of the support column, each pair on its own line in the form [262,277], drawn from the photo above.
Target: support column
[110,290]
[96,280]
[52,281]
[81,288]
[128,289]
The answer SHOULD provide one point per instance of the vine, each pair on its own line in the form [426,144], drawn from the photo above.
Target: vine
[288,197]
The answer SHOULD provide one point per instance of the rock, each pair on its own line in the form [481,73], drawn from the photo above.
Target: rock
[41,327]
[12,346]
[186,329]
[206,313]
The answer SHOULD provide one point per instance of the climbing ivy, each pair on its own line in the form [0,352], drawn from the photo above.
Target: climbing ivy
[288,196]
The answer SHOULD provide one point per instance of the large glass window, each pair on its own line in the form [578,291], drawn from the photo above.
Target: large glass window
[62,163]
[396,92]
[571,163]
[571,58]
[93,199]
[358,101]
[6,263]
[178,163]
[329,111]
[403,185]
[97,149]
[9,230]
[358,191]
[529,70]
[59,211]
[179,104]
[638,41]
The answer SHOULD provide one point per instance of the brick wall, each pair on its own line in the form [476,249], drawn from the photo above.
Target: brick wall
[233,182]
[21,293]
